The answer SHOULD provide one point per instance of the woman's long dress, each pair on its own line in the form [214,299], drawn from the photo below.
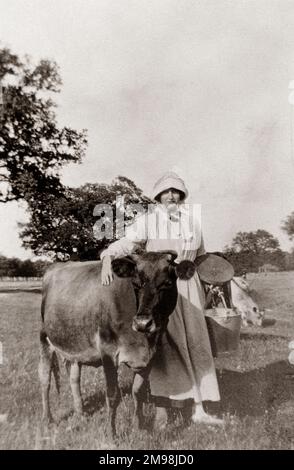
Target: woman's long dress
[183,366]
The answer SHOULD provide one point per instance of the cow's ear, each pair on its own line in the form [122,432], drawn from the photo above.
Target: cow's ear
[185,270]
[124,267]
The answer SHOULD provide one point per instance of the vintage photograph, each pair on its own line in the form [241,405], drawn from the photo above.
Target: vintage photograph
[147,226]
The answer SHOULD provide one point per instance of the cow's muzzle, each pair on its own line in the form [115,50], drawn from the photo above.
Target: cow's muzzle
[138,365]
[144,324]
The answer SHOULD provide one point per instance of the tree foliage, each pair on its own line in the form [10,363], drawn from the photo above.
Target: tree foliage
[258,242]
[63,228]
[33,148]
[250,250]
[289,260]
[14,267]
[288,226]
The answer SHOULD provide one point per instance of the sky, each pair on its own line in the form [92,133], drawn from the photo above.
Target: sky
[201,87]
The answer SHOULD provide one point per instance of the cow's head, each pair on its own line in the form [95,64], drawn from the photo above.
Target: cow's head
[252,315]
[154,276]
[242,300]
[257,316]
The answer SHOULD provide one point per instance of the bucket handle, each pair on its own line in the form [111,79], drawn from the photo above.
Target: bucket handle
[216,290]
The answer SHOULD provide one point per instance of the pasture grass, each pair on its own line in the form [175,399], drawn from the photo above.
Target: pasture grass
[256,385]
[9,286]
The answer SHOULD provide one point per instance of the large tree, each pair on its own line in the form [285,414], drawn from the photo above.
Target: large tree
[33,148]
[258,242]
[249,250]
[64,228]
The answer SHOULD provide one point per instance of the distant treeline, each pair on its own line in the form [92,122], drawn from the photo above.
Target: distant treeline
[258,251]
[251,262]
[14,267]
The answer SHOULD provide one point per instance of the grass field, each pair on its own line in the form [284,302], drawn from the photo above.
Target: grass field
[20,286]
[256,385]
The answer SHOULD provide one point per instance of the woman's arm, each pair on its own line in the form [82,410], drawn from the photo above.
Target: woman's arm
[135,236]
[122,247]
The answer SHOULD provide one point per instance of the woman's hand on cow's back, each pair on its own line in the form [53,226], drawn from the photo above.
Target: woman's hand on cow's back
[106,272]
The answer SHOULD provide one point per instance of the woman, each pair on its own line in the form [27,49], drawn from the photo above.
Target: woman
[183,370]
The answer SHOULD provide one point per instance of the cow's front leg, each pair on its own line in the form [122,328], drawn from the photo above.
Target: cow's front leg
[75,384]
[139,392]
[112,393]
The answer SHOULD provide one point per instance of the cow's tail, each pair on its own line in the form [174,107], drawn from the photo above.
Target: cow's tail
[54,365]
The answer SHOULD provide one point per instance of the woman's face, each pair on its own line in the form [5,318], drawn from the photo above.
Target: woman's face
[170,197]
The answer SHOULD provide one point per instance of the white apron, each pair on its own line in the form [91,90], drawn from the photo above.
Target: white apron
[183,366]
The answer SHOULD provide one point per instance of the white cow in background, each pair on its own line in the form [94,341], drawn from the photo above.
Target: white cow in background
[244,304]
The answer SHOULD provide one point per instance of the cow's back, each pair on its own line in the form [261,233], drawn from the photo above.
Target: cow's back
[75,306]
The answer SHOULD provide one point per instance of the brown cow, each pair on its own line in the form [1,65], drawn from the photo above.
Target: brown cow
[91,324]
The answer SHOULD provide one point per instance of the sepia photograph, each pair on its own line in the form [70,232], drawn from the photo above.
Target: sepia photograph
[146,227]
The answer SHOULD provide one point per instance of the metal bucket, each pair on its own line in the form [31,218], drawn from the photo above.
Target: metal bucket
[224,325]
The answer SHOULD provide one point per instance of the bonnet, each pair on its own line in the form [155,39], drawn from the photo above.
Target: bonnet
[169,180]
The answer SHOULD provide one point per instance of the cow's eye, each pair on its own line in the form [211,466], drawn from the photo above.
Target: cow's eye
[166,285]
